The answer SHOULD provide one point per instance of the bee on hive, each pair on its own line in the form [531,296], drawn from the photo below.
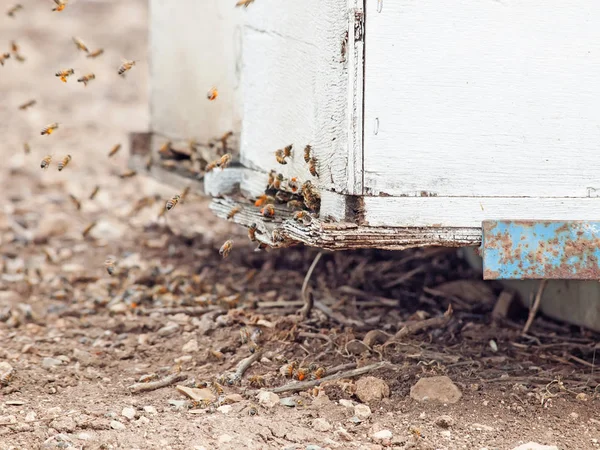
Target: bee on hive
[268,211]
[212,94]
[27,105]
[226,248]
[280,156]
[64,74]
[252,232]
[46,162]
[293,184]
[64,162]
[224,161]
[172,202]
[312,167]
[86,78]
[278,181]
[125,66]
[80,45]
[307,151]
[49,129]
[95,53]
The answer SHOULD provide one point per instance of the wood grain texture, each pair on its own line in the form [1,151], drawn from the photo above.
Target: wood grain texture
[194,45]
[483,98]
[295,88]
[470,212]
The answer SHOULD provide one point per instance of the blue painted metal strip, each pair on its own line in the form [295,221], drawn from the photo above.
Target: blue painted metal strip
[525,249]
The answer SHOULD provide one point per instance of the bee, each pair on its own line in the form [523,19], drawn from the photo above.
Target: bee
[165,149]
[64,162]
[216,388]
[307,151]
[49,129]
[311,196]
[95,53]
[226,248]
[76,202]
[271,181]
[28,104]
[212,94]
[301,216]
[11,12]
[148,377]
[312,167]
[6,377]
[244,3]
[64,74]
[26,148]
[87,229]
[94,192]
[295,204]
[110,265]
[280,156]
[278,181]
[86,79]
[233,212]
[293,184]
[319,373]
[127,65]
[268,211]
[128,174]
[290,369]
[184,194]
[256,381]
[252,232]
[60,5]
[252,411]
[114,150]
[4,57]
[80,45]
[224,139]
[141,204]
[287,151]
[261,246]
[172,202]
[46,162]
[253,347]
[14,48]
[277,236]
[302,374]
[224,161]
[211,166]
[264,200]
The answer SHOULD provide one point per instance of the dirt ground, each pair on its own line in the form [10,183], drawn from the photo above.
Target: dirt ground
[74,339]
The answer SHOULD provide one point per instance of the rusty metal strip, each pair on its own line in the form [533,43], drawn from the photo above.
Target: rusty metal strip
[524,249]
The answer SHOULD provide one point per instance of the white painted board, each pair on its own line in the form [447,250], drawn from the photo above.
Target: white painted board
[483,98]
[295,85]
[195,45]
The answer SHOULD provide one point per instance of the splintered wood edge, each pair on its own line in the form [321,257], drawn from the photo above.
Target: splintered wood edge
[341,235]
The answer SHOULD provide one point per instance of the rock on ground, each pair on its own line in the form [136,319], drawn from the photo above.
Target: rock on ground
[535,446]
[268,399]
[321,425]
[371,389]
[363,412]
[436,389]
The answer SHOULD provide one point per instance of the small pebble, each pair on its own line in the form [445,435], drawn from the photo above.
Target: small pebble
[142,421]
[128,412]
[150,410]
[321,425]
[116,425]
[225,438]
[267,399]
[169,329]
[361,411]
[190,346]
[48,363]
[346,403]
[383,435]
[444,421]
[371,389]
[224,409]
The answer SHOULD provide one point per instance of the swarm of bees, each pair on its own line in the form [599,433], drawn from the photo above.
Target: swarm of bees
[293,370]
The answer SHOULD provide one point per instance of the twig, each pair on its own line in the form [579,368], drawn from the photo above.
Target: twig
[136,388]
[296,387]
[377,299]
[279,304]
[405,277]
[234,377]
[191,311]
[535,307]
[307,298]
[306,334]
[337,316]
[414,327]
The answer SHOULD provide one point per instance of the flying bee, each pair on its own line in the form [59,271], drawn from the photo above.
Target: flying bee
[14,48]
[49,129]
[110,265]
[211,166]
[224,161]
[290,369]
[11,12]
[226,248]
[312,167]
[95,53]
[307,151]
[287,151]
[268,211]
[244,3]
[252,232]
[80,45]
[280,156]
[256,381]
[302,374]
[94,192]
[75,201]
[64,74]
[293,184]
[319,373]
[26,148]
[87,229]
[4,57]
[212,94]
[128,174]
[114,150]
[295,204]
[46,162]
[172,202]
[60,5]
[28,104]
[86,79]
[64,162]
[278,181]
[125,66]
[185,193]
[233,212]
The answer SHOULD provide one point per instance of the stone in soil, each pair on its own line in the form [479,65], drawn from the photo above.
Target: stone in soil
[361,411]
[169,329]
[371,389]
[190,346]
[444,421]
[48,363]
[196,393]
[128,412]
[383,435]
[535,446]
[435,389]
[267,399]
[116,425]
[321,425]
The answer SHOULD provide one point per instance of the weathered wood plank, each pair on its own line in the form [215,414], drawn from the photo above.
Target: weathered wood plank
[483,98]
